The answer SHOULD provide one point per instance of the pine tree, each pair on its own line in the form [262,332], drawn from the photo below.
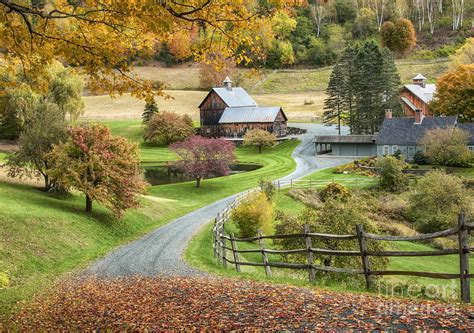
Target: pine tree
[150,109]
[333,104]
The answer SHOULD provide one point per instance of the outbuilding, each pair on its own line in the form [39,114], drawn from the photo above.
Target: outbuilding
[346,145]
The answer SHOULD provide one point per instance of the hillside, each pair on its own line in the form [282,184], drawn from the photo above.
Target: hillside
[300,92]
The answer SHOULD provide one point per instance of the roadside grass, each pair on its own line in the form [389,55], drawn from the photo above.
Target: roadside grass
[42,236]
[200,254]
[3,157]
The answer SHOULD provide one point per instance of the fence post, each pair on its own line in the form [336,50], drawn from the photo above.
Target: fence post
[312,272]
[268,272]
[218,236]
[214,245]
[464,259]
[234,251]
[291,183]
[224,252]
[363,253]
[310,183]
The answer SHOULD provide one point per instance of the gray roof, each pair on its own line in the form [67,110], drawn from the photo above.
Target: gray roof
[235,97]
[424,93]
[404,131]
[250,115]
[344,139]
[468,127]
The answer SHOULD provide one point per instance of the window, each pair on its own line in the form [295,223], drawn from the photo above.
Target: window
[411,151]
[386,150]
[471,148]
[394,149]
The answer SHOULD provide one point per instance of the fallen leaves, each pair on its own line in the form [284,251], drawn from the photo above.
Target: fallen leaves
[138,304]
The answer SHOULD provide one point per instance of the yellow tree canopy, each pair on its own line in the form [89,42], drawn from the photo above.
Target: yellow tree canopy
[100,37]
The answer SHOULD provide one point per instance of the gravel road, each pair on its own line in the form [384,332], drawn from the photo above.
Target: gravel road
[161,251]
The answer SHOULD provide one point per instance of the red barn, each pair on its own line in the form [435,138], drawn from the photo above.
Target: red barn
[416,96]
[231,112]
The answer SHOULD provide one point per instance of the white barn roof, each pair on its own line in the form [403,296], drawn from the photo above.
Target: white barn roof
[235,97]
[424,93]
[250,115]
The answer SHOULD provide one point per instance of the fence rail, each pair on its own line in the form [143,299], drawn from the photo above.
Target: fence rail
[462,230]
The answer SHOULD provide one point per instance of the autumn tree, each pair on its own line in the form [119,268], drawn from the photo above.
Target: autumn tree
[168,127]
[99,38]
[150,110]
[200,158]
[104,167]
[447,146]
[399,37]
[212,73]
[259,138]
[46,128]
[455,93]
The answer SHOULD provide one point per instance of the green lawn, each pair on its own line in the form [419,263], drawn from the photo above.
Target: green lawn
[42,236]
[325,176]
[3,157]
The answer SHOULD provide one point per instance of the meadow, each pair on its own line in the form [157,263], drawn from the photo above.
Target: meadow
[300,92]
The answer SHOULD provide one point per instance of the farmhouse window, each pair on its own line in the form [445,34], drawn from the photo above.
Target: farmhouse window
[386,150]
[394,149]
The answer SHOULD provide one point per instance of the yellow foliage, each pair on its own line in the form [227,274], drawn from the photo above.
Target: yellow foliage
[253,214]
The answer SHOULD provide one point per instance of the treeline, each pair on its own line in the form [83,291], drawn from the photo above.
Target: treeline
[315,32]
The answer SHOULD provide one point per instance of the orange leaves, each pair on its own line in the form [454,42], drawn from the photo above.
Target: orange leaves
[157,304]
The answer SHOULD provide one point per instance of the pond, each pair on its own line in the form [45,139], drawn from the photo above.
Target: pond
[161,175]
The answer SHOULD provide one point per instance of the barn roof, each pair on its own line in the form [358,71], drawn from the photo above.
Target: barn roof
[234,97]
[424,93]
[344,139]
[250,115]
[404,131]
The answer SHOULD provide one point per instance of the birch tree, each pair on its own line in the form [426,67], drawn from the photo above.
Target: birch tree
[378,8]
[318,13]
[420,12]
[458,13]
[431,13]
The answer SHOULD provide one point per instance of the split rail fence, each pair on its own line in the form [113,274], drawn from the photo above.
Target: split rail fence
[230,254]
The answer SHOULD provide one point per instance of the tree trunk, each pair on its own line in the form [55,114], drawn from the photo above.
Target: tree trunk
[47,183]
[260,149]
[88,204]
[198,182]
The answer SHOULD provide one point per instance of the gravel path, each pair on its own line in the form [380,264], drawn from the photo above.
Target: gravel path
[161,251]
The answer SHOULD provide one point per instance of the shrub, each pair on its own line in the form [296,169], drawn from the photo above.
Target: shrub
[420,158]
[391,176]
[259,138]
[436,201]
[334,217]
[167,128]
[267,187]
[253,214]
[447,146]
[334,191]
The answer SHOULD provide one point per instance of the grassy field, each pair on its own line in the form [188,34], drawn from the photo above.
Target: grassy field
[43,237]
[200,254]
[3,157]
[299,91]
[322,177]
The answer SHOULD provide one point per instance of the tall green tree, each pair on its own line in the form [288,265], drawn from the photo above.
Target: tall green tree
[150,110]
[334,111]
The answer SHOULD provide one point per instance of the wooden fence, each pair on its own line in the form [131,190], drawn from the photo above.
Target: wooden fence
[230,255]
[315,183]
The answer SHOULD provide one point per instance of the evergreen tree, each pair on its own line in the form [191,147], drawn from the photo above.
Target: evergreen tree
[150,109]
[333,105]
[362,86]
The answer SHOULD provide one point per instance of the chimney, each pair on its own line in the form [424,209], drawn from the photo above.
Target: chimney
[388,114]
[228,83]
[420,80]
[419,116]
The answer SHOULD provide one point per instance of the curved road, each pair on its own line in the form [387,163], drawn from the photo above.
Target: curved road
[161,251]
